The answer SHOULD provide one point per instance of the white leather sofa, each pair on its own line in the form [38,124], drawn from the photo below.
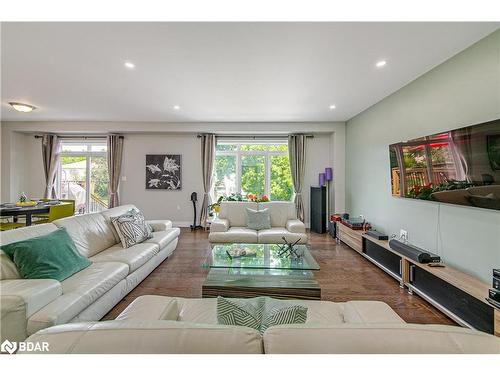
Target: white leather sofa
[30,305]
[158,324]
[231,224]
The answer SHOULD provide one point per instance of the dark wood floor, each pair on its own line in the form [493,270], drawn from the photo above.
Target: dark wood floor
[345,275]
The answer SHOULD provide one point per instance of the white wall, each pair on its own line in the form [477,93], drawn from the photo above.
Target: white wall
[463,91]
[22,168]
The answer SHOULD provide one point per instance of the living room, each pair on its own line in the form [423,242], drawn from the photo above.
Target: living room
[272,187]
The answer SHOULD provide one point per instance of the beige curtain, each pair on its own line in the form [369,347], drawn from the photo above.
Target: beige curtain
[297,156]
[208,142]
[115,152]
[50,157]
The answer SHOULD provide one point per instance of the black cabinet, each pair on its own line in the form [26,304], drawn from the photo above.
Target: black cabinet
[382,256]
[318,209]
[476,313]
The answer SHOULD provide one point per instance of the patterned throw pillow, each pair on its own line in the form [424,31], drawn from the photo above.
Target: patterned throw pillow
[278,312]
[259,313]
[234,312]
[132,228]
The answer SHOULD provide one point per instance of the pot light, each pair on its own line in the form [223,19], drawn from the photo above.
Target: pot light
[332,107]
[177,107]
[129,65]
[381,63]
[21,107]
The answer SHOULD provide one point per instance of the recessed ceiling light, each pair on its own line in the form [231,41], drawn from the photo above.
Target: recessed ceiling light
[332,106]
[177,107]
[129,65]
[21,107]
[381,63]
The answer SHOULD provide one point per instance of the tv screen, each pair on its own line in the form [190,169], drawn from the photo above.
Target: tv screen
[460,166]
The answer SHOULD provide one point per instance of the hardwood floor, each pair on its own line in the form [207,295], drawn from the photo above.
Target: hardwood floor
[345,275]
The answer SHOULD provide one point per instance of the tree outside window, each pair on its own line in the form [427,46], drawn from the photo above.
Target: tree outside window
[253,168]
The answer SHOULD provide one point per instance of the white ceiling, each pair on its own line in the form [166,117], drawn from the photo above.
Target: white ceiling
[217,71]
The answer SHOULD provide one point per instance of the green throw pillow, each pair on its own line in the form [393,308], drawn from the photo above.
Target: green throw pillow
[258,220]
[259,313]
[51,256]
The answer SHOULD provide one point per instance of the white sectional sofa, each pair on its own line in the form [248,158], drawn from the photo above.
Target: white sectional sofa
[231,224]
[158,324]
[30,305]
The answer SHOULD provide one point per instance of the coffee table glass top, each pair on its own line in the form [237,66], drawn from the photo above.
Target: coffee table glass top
[263,256]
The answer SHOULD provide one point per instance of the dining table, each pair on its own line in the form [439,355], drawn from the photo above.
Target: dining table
[27,211]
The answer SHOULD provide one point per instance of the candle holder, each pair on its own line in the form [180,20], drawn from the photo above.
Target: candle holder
[328,177]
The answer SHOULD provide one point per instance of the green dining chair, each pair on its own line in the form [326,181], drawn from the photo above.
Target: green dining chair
[58,211]
[44,218]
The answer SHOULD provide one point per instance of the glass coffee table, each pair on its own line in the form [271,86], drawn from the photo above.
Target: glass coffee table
[251,270]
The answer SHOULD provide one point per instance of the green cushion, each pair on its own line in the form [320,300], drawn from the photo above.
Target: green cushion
[51,256]
[258,220]
[259,313]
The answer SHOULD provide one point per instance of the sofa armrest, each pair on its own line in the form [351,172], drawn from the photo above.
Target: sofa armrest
[295,226]
[13,317]
[219,225]
[159,225]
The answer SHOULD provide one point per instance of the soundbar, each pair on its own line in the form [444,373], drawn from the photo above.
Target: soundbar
[413,252]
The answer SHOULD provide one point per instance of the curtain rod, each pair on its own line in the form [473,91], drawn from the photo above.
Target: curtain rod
[76,136]
[247,136]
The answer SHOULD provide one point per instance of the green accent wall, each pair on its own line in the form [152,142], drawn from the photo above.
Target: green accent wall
[462,91]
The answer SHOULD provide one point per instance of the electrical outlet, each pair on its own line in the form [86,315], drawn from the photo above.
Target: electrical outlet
[403,235]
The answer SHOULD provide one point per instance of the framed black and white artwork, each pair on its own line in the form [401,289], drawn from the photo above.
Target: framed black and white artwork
[163,172]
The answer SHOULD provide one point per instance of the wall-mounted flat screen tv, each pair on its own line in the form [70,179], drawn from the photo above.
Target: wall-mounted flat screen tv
[460,166]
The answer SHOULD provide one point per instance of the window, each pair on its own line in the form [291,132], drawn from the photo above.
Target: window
[83,174]
[256,168]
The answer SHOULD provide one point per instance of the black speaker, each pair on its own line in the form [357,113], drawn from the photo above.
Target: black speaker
[194,198]
[318,209]
[413,252]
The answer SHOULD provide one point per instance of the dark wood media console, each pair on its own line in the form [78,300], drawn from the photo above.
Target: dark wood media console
[458,295]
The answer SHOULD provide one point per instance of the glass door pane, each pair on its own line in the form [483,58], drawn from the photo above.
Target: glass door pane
[253,174]
[74,181]
[99,179]
[281,179]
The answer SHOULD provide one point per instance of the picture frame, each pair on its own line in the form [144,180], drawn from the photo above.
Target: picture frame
[164,172]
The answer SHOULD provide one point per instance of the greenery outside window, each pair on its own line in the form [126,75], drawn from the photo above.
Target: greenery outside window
[83,174]
[250,167]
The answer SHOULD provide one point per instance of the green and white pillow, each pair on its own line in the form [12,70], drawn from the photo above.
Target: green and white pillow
[277,312]
[234,312]
[259,313]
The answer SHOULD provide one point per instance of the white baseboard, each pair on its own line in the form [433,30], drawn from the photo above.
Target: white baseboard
[182,224]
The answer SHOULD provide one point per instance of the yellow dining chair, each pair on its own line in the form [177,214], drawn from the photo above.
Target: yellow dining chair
[44,218]
[58,211]
[8,225]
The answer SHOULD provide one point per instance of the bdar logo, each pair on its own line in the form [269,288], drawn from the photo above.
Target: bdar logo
[8,347]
